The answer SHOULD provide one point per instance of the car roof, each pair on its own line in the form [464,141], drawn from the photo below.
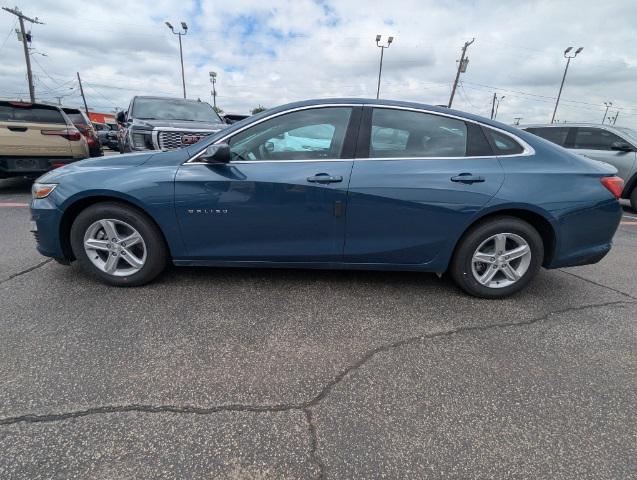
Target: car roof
[390,103]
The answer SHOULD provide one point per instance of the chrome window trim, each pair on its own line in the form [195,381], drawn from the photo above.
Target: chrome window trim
[528,150]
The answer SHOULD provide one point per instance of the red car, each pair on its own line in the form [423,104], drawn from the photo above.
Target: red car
[84,125]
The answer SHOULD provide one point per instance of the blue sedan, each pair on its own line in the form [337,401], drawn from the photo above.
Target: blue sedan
[341,184]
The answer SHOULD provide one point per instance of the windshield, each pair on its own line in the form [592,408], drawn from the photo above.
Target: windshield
[169,109]
[629,132]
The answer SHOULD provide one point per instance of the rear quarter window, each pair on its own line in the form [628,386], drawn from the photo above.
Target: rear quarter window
[503,144]
[31,114]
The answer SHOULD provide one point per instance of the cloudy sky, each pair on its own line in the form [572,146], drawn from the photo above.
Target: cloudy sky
[271,52]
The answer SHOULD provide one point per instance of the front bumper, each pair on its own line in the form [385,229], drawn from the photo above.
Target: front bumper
[45,226]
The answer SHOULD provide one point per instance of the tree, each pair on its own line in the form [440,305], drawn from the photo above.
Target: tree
[258,109]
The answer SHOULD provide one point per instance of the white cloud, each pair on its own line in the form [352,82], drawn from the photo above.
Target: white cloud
[272,52]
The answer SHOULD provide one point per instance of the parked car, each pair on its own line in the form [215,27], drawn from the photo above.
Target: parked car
[84,125]
[159,123]
[107,134]
[607,143]
[398,186]
[231,118]
[35,137]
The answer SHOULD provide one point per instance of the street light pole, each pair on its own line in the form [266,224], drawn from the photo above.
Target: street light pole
[568,62]
[181,53]
[382,50]
[608,105]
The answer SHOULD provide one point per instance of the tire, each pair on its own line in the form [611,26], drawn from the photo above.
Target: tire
[146,249]
[633,199]
[511,274]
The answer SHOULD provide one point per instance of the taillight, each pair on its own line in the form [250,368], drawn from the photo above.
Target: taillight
[615,185]
[68,133]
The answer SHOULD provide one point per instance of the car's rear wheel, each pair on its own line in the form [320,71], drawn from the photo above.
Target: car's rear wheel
[497,258]
[118,244]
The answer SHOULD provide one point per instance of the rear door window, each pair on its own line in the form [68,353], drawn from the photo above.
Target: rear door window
[556,135]
[407,134]
[76,118]
[594,139]
[31,114]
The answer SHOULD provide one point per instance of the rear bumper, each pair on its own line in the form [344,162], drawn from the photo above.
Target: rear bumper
[30,166]
[585,236]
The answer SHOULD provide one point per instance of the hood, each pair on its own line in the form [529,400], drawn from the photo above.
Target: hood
[184,124]
[115,161]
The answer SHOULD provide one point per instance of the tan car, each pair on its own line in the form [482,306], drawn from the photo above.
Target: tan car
[35,137]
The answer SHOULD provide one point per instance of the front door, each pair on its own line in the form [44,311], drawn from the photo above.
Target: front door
[280,199]
[421,180]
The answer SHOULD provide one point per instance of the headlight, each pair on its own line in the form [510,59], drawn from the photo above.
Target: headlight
[142,141]
[42,190]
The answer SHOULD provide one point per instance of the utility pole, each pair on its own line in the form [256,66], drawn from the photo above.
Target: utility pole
[517,120]
[382,50]
[462,67]
[566,55]
[497,106]
[59,100]
[181,52]
[21,17]
[495,96]
[82,93]
[213,80]
[608,105]
[615,119]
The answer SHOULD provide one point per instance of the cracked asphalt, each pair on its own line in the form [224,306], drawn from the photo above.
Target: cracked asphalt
[258,374]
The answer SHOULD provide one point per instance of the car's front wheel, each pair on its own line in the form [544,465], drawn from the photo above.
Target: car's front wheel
[497,258]
[118,244]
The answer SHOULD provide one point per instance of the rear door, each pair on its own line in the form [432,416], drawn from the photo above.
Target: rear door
[596,143]
[281,198]
[21,126]
[417,181]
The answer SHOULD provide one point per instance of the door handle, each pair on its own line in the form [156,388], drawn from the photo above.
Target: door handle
[467,178]
[17,129]
[325,178]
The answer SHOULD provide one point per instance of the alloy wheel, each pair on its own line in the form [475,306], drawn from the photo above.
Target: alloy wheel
[501,260]
[115,247]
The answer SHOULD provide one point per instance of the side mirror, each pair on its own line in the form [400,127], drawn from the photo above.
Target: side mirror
[121,117]
[219,153]
[622,147]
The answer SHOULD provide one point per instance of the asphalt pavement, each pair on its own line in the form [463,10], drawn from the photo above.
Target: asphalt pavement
[255,374]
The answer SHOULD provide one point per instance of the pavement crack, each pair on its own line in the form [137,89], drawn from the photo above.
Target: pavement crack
[325,391]
[305,407]
[26,270]
[593,282]
[139,408]
[314,443]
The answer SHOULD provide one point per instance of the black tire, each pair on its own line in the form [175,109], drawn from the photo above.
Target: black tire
[461,264]
[156,251]
[633,199]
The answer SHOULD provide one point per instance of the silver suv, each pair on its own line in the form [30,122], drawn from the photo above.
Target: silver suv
[607,143]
